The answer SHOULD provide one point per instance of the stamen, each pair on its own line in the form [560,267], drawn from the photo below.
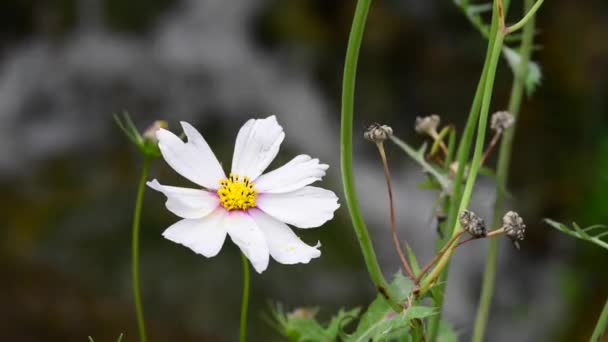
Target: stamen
[237,193]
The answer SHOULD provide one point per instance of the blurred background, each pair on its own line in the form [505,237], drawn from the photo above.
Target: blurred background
[68,175]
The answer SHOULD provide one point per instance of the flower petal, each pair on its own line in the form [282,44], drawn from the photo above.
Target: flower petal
[296,174]
[194,159]
[284,245]
[245,233]
[204,236]
[308,207]
[256,146]
[187,203]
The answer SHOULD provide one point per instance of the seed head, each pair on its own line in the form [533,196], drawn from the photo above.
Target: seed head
[378,133]
[472,223]
[427,124]
[514,227]
[501,121]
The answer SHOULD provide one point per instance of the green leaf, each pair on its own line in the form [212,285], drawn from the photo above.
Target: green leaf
[533,76]
[412,258]
[593,234]
[380,322]
[301,325]
[418,156]
[91,339]
[446,333]
[120,337]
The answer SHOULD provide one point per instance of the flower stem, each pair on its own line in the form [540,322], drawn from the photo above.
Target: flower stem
[141,325]
[529,16]
[346,151]
[502,173]
[477,154]
[600,327]
[387,176]
[245,302]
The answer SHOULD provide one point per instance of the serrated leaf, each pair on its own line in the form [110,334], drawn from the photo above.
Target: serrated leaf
[533,76]
[380,322]
[599,232]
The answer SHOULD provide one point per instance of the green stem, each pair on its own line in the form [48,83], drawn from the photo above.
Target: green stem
[462,156]
[346,151]
[600,327]
[479,145]
[141,325]
[245,302]
[526,18]
[502,174]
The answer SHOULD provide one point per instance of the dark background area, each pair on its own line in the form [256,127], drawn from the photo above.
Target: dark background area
[68,176]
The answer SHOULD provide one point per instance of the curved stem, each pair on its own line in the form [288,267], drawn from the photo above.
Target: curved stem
[245,302]
[141,325]
[389,187]
[600,327]
[346,151]
[529,16]
[502,174]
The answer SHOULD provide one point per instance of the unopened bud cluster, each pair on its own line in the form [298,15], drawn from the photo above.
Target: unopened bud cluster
[501,121]
[472,224]
[378,133]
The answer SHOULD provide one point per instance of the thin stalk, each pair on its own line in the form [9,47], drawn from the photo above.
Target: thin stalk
[346,152]
[462,156]
[245,302]
[479,143]
[437,256]
[139,312]
[600,327]
[396,241]
[502,174]
[528,17]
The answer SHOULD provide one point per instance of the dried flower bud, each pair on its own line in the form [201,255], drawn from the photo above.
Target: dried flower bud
[150,133]
[378,133]
[428,124]
[472,223]
[501,121]
[306,313]
[514,227]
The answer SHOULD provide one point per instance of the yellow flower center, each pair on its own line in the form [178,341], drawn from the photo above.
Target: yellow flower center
[237,193]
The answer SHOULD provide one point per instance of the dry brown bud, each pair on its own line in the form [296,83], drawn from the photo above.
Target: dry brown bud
[514,227]
[378,133]
[501,121]
[473,224]
[428,124]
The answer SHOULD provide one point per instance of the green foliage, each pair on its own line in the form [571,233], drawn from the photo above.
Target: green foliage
[596,234]
[418,156]
[380,322]
[533,76]
[301,324]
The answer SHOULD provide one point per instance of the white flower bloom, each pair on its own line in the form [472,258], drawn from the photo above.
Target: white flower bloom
[252,208]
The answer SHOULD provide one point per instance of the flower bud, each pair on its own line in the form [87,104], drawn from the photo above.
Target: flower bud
[378,133]
[514,227]
[428,124]
[473,224]
[501,121]
[150,133]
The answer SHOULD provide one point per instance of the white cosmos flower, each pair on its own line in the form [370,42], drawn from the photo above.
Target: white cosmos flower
[252,208]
